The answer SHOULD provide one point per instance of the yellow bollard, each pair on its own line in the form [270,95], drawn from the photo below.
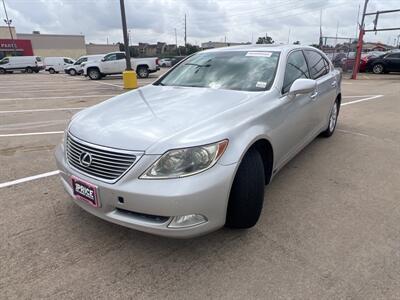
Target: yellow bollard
[130,79]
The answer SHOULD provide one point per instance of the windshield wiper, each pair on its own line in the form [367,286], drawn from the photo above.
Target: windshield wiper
[197,65]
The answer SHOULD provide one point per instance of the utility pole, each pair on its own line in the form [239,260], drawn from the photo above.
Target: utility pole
[129,76]
[176,43]
[360,42]
[8,22]
[185,36]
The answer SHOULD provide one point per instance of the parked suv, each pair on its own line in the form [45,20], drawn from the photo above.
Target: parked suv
[115,63]
[77,67]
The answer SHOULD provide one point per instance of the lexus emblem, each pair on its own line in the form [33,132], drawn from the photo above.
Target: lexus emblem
[85,159]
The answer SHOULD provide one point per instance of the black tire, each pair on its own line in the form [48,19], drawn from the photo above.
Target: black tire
[2,71]
[378,69]
[331,128]
[72,72]
[164,65]
[51,71]
[247,192]
[29,70]
[142,71]
[36,71]
[94,74]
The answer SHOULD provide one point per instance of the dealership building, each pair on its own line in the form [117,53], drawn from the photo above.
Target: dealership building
[39,44]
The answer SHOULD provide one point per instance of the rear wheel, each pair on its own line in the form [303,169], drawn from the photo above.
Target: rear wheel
[332,120]
[247,192]
[94,74]
[36,71]
[51,71]
[378,69]
[143,72]
[72,72]
[29,70]
[2,71]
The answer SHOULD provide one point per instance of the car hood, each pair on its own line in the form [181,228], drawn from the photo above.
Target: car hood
[140,118]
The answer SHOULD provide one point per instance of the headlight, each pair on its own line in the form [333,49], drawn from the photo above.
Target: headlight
[185,162]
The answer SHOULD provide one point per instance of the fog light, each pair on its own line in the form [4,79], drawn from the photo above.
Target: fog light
[187,221]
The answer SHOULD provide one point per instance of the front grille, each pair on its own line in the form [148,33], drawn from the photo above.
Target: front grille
[106,163]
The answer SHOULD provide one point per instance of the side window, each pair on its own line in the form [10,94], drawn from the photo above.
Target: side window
[120,56]
[109,57]
[394,55]
[296,67]
[4,61]
[317,64]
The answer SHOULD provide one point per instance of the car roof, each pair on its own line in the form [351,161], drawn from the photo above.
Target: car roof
[261,47]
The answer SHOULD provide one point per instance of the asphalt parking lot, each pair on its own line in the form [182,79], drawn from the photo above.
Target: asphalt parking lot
[330,228]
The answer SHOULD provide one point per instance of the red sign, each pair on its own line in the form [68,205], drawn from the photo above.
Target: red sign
[22,46]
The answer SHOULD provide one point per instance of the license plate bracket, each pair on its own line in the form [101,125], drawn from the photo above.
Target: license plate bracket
[85,191]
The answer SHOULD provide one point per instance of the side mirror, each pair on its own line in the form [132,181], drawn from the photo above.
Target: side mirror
[103,59]
[302,86]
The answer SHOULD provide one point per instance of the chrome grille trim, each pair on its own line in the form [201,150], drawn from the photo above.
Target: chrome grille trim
[108,164]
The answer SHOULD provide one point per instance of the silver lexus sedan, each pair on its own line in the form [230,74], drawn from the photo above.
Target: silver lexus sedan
[193,151]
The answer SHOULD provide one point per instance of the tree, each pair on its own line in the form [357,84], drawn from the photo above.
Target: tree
[265,40]
[296,43]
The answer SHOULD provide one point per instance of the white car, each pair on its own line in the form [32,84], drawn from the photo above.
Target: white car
[57,64]
[28,64]
[165,62]
[77,67]
[115,63]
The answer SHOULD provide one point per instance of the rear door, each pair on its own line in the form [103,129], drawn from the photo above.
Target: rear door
[320,70]
[109,63]
[121,63]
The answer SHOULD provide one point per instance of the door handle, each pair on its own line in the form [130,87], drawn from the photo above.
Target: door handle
[314,95]
[333,83]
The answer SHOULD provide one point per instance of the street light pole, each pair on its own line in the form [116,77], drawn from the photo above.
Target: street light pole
[126,39]
[8,22]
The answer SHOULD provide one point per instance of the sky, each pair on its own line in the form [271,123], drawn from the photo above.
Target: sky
[207,20]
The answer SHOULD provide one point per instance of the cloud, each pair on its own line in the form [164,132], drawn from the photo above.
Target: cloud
[235,20]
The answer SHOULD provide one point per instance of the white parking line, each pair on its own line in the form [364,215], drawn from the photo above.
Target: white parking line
[39,110]
[106,83]
[362,100]
[358,96]
[26,179]
[52,90]
[30,133]
[57,97]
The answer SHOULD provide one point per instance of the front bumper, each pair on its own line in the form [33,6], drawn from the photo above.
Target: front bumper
[206,193]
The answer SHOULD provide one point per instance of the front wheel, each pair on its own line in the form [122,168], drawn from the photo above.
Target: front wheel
[143,72]
[29,70]
[378,69]
[247,192]
[2,71]
[51,71]
[332,120]
[72,72]
[94,74]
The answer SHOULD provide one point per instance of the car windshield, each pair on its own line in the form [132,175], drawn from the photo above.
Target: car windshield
[232,70]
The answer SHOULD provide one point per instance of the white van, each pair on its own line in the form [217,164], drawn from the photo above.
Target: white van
[28,64]
[57,64]
[77,67]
